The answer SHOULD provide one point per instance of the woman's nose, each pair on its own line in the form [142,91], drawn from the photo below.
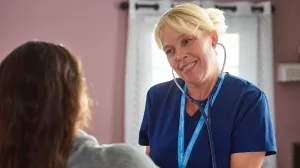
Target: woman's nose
[181,55]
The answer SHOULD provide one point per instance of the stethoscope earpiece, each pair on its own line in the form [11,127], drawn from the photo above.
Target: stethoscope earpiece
[214,44]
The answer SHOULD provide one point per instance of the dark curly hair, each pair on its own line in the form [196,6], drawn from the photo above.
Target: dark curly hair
[43,101]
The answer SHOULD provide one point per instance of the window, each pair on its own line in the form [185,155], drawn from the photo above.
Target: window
[231,43]
[161,70]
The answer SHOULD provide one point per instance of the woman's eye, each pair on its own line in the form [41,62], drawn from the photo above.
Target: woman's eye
[169,52]
[187,41]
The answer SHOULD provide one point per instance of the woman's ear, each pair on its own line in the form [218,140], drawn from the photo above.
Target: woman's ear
[215,39]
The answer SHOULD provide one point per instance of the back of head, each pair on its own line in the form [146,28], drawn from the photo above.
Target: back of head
[41,106]
[188,18]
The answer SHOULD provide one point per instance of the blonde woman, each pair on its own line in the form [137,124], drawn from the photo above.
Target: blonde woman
[239,119]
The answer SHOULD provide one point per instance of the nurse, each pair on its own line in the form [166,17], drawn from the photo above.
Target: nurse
[241,126]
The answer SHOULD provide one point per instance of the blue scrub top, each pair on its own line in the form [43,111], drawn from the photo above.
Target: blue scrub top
[240,121]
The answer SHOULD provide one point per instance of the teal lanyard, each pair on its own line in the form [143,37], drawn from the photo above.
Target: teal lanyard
[184,157]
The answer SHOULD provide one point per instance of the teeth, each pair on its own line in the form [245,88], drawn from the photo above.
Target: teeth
[189,66]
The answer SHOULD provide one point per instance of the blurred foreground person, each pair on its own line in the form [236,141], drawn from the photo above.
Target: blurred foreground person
[43,107]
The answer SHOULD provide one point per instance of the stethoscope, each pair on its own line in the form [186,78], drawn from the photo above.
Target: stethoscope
[182,160]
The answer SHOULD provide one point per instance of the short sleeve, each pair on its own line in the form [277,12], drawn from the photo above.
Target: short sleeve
[253,130]
[143,134]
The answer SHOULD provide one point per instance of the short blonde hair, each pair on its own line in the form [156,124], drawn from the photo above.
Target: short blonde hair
[187,18]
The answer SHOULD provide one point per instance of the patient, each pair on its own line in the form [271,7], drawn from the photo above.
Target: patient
[43,107]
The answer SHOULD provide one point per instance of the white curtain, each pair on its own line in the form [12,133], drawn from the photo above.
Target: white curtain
[139,63]
[249,55]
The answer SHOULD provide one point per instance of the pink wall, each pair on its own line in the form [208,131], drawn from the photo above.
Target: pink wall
[287,96]
[94,30]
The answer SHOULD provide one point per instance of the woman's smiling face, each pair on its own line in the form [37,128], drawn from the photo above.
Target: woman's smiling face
[191,56]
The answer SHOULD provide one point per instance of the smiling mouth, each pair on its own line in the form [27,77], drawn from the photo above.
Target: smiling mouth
[189,66]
